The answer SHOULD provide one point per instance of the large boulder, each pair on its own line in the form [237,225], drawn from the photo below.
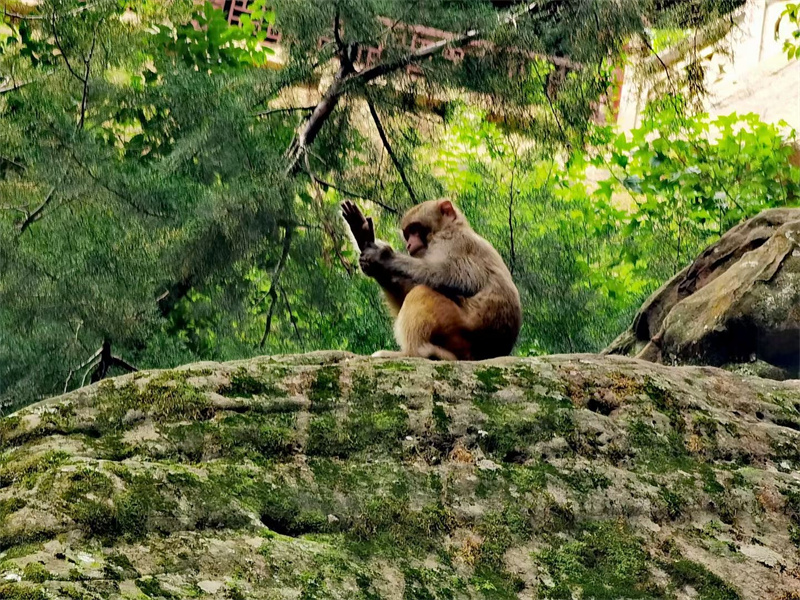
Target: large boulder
[335,476]
[737,305]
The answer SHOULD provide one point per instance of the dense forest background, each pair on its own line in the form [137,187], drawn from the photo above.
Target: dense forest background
[168,195]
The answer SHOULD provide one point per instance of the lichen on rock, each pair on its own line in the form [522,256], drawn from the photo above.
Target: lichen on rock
[327,475]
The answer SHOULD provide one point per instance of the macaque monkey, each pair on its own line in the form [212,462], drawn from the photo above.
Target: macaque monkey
[452,295]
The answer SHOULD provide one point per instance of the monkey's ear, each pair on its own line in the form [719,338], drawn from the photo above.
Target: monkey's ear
[447,209]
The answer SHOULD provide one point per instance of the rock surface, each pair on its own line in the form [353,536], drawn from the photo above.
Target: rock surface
[334,476]
[738,303]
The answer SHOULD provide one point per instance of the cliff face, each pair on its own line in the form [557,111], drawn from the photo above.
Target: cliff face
[334,476]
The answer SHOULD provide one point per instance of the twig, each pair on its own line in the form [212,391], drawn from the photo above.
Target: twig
[552,106]
[81,366]
[64,54]
[36,214]
[512,248]
[88,64]
[341,190]
[98,365]
[276,275]
[292,318]
[385,140]
[107,187]
[13,163]
[330,231]
[288,109]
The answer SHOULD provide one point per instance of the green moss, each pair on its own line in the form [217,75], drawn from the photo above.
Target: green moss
[244,385]
[500,530]
[144,507]
[325,389]
[445,372]
[672,501]
[441,420]
[193,441]
[707,585]
[9,506]
[393,365]
[151,587]
[167,397]
[96,517]
[491,379]
[604,562]
[391,526]
[258,436]
[27,471]
[10,429]
[659,451]
[21,591]
[710,483]
[792,508]
[119,567]
[376,430]
[36,573]
[87,481]
[511,433]
[289,513]
[666,403]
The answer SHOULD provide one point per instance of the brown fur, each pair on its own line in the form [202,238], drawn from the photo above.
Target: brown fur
[454,299]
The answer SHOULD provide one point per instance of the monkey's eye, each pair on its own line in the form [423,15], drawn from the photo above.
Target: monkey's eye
[415,229]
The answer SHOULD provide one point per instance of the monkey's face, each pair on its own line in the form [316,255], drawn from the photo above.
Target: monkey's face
[416,236]
[424,221]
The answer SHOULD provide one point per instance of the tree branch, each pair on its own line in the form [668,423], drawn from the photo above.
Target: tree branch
[88,64]
[288,109]
[273,286]
[346,77]
[385,140]
[64,54]
[36,214]
[327,184]
[292,318]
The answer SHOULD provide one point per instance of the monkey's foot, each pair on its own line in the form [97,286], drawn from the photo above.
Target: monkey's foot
[387,354]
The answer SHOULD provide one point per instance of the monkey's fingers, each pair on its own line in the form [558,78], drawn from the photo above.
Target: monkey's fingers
[359,225]
[370,233]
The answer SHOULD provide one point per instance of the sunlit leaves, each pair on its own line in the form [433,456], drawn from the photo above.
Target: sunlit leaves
[210,43]
[791,45]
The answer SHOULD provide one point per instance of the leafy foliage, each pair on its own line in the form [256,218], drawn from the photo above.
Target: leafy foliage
[791,45]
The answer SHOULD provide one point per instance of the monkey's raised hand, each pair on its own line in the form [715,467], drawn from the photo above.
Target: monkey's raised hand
[373,258]
[362,227]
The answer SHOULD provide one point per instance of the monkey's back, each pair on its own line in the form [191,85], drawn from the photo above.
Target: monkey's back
[495,312]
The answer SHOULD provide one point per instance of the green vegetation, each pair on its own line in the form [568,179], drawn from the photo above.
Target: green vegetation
[605,561]
[707,585]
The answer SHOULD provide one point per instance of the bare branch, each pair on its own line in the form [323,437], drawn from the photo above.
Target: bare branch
[385,140]
[273,286]
[89,360]
[292,318]
[288,109]
[36,214]
[341,190]
[64,54]
[88,64]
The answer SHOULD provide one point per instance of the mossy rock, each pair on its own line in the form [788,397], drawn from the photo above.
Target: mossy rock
[328,475]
